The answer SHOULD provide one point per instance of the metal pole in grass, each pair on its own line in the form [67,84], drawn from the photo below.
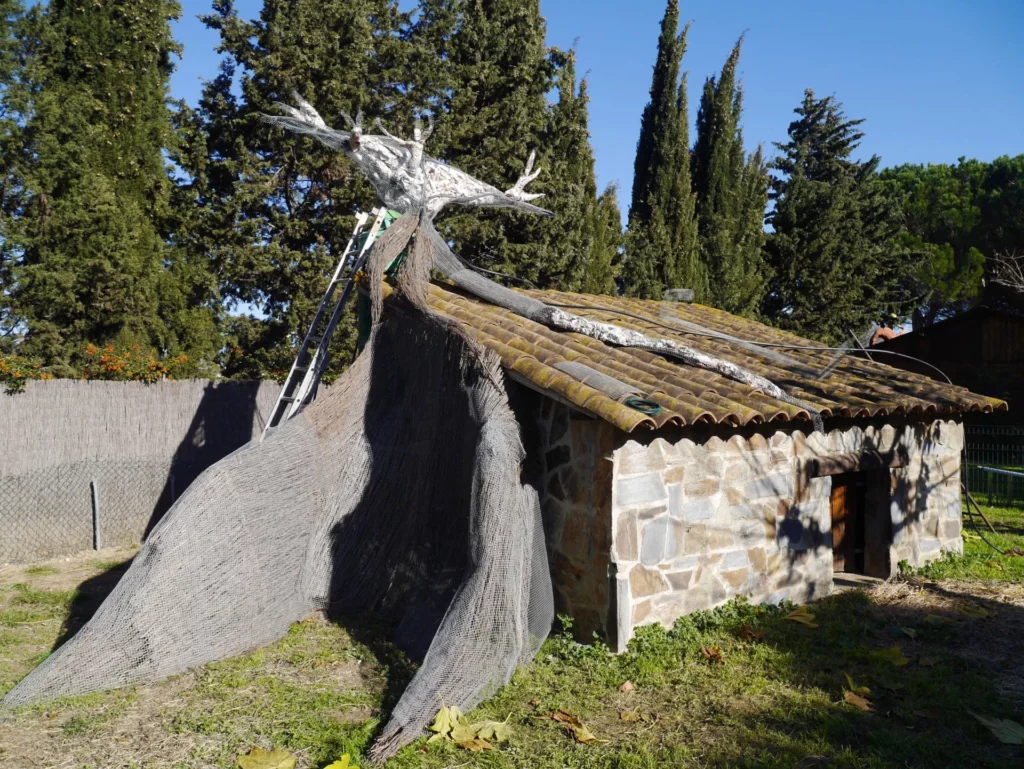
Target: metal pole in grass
[96,540]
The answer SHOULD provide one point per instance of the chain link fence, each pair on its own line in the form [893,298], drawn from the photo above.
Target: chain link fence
[95,464]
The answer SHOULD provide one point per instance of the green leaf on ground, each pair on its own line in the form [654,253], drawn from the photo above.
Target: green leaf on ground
[1006,731]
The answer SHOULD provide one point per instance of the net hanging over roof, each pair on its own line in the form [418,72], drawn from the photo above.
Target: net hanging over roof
[313,518]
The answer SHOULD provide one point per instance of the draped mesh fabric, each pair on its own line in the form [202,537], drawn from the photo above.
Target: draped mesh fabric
[398,491]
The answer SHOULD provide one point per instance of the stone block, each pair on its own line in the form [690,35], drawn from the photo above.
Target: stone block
[626,548]
[556,457]
[734,560]
[644,582]
[720,538]
[744,511]
[738,471]
[679,580]
[674,475]
[929,546]
[641,490]
[632,458]
[776,485]
[758,558]
[675,500]
[703,488]
[757,442]
[735,578]
[749,533]
[659,542]
[951,529]
[559,424]
[698,510]
[641,612]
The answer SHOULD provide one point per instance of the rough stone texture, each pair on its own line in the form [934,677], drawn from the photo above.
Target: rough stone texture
[697,523]
[576,504]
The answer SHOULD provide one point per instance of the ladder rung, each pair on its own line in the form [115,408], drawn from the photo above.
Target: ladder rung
[287,400]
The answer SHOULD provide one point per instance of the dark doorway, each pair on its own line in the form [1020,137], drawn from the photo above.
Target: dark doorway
[861,529]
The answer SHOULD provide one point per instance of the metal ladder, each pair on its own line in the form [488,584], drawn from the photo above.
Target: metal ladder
[313,357]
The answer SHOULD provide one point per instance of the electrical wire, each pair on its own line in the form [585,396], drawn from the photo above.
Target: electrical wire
[726,338]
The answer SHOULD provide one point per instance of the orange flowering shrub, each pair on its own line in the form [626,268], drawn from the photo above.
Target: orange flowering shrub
[15,370]
[129,365]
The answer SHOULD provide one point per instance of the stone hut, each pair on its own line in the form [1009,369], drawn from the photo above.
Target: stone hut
[703,488]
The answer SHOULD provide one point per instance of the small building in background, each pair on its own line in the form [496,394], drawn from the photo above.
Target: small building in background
[982,350]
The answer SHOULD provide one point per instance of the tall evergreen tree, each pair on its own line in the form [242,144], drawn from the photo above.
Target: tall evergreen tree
[11,135]
[92,227]
[731,193]
[649,242]
[834,252]
[607,245]
[274,212]
[661,250]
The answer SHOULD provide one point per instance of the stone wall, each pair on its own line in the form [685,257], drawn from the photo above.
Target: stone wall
[699,520]
[576,505]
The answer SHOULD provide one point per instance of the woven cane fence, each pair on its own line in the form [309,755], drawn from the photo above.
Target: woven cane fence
[95,464]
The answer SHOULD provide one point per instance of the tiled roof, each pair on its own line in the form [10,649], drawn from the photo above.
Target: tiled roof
[854,387]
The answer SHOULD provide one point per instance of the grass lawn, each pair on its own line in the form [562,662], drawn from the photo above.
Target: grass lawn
[740,686]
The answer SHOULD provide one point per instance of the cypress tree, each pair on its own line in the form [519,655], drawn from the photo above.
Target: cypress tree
[648,241]
[661,250]
[92,228]
[275,212]
[731,192]
[836,261]
[606,246]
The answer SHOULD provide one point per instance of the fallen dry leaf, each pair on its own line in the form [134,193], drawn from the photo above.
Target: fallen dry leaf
[747,633]
[627,687]
[863,691]
[342,763]
[1006,731]
[475,745]
[629,716]
[858,702]
[909,632]
[893,655]
[804,616]
[935,619]
[257,758]
[973,611]
[928,662]
[712,654]
[574,726]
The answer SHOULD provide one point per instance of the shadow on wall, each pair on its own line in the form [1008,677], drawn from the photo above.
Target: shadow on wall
[222,423]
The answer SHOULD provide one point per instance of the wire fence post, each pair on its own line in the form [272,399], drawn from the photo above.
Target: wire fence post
[97,541]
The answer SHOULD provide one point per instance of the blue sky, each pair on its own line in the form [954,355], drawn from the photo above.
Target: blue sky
[935,79]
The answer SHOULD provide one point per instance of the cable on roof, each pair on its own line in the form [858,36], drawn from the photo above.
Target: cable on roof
[678,330]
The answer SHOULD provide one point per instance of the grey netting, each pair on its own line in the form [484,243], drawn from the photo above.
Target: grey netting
[398,491]
[401,491]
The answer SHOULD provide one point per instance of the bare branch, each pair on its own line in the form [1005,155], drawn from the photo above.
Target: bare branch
[1008,269]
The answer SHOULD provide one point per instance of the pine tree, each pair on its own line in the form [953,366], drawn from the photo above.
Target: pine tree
[92,228]
[274,213]
[731,192]
[837,265]
[661,250]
